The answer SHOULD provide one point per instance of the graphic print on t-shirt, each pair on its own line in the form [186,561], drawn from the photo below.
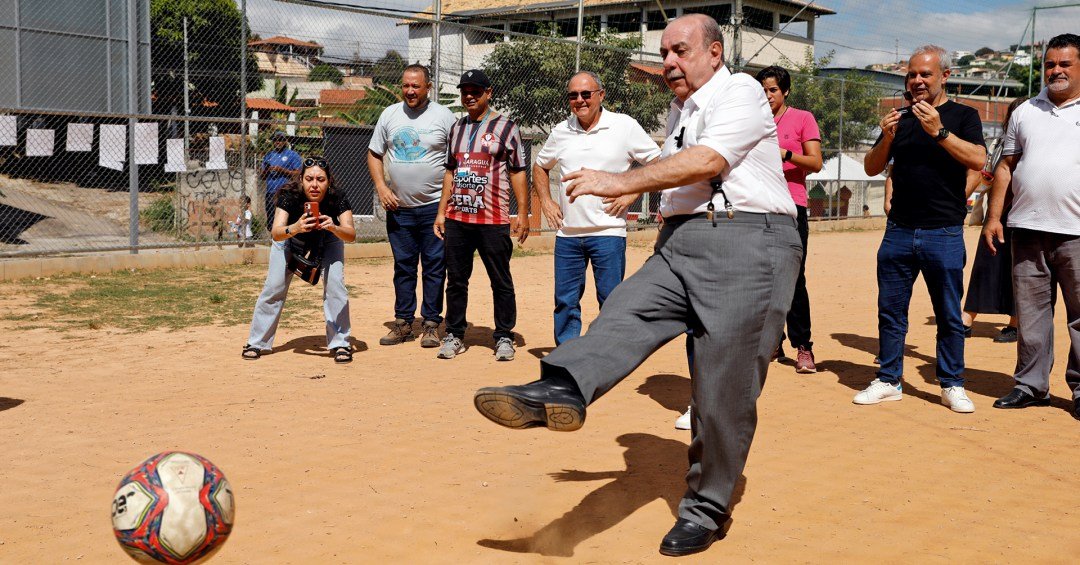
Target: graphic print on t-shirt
[406,145]
[471,181]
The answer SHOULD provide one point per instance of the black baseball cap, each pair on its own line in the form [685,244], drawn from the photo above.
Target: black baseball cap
[475,77]
[278,136]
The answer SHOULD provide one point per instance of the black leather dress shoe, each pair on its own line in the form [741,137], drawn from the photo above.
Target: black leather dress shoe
[547,402]
[1020,399]
[687,537]
[1076,409]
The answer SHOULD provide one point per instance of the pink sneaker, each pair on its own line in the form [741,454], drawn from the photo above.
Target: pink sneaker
[804,361]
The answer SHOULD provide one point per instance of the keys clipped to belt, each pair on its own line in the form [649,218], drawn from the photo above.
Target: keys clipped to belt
[717,188]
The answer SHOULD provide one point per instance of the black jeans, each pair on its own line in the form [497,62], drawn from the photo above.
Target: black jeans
[798,318]
[495,247]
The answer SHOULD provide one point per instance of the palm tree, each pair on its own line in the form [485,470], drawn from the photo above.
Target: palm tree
[367,111]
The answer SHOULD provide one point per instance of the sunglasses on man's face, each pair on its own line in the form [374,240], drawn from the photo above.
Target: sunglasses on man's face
[315,162]
[584,94]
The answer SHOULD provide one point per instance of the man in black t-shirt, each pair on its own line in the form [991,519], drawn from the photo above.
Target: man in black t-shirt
[934,145]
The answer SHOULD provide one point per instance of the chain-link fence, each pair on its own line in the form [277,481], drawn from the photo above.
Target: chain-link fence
[154,131]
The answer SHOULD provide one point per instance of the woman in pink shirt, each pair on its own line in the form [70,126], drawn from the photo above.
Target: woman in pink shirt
[800,151]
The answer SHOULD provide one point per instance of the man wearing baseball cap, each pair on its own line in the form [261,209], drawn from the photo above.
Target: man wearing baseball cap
[279,166]
[485,159]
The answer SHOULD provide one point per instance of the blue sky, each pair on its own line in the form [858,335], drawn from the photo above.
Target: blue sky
[862,32]
[865,31]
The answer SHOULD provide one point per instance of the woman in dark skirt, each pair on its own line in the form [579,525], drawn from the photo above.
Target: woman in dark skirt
[990,287]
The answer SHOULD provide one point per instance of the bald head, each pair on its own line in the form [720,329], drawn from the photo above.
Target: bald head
[710,30]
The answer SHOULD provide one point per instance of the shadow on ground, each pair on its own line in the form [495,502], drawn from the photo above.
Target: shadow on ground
[14,221]
[9,403]
[316,345]
[654,470]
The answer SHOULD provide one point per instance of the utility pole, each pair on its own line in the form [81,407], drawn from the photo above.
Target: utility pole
[133,109]
[580,26]
[1031,54]
[436,38]
[736,36]
[187,98]
[243,97]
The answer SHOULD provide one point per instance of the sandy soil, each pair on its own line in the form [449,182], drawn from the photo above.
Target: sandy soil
[386,460]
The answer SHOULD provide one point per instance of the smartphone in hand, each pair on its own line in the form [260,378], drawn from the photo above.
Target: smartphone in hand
[312,210]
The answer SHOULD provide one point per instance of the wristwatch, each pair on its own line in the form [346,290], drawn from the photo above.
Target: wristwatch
[941,134]
[787,156]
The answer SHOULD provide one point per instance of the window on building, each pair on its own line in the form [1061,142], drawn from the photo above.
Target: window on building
[719,12]
[568,27]
[625,23]
[756,17]
[529,27]
[655,20]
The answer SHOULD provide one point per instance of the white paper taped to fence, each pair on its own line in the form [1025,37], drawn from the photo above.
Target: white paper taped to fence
[112,146]
[80,137]
[290,128]
[39,142]
[216,160]
[175,161]
[146,143]
[8,131]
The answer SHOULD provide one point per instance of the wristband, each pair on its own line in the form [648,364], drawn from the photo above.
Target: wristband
[788,155]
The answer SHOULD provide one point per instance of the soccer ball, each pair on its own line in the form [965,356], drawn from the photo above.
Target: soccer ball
[174,508]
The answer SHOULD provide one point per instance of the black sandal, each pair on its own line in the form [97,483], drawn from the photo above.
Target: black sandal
[342,354]
[251,352]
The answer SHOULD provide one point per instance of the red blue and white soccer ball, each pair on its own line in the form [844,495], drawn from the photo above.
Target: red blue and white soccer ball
[174,508]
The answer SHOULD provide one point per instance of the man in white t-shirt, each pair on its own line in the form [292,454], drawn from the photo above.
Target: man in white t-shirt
[1040,160]
[591,229]
[725,266]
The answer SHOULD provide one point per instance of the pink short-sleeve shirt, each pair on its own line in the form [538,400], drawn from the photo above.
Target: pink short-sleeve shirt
[793,127]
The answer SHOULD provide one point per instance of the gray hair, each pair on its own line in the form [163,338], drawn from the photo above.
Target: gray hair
[944,59]
[590,74]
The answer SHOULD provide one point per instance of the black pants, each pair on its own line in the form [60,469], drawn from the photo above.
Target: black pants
[798,318]
[495,247]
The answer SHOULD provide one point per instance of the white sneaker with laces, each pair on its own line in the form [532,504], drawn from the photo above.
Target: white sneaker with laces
[451,347]
[957,400]
[504,349]
[683,422]
[879,391]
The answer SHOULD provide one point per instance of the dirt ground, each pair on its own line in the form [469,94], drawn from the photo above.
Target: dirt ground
[386,461]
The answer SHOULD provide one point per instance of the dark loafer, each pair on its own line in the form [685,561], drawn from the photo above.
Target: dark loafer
[687,537]
[1076,409]
[1020,399]
[1007,335]
[547,402]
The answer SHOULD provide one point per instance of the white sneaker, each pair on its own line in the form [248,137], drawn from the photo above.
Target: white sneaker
[879,391]
[451,347]
[683,422]
[504,349]
[957,399]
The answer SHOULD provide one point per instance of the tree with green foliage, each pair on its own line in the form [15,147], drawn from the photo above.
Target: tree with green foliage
[984,51]
[387,70]
[822,96]
[1023,73]
[367,110]
[965,60]
[326,73]
[529,77]
[214,47]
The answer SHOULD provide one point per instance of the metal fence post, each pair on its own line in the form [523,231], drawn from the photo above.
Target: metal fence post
[133,109]
[243,98]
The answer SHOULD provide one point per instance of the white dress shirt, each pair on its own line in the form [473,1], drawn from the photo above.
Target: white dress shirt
[731,116]
[1046,182]
[613,144]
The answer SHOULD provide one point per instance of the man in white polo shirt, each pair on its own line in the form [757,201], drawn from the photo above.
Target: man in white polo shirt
[590,229]
[725,266]
[1040,160]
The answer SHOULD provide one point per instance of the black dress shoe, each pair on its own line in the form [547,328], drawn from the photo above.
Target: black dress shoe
[687,537]
[1076,409]
[547,402]
[1020,399]
[1007,335]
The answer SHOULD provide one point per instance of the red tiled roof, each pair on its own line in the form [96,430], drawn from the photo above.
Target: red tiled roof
[650,69]
[282,40]
[268,105]
[341,97]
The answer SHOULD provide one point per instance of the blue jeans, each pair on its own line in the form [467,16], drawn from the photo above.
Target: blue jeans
[412,239]
[939,254]
[572,254]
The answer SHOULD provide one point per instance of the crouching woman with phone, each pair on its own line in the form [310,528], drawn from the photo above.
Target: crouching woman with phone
[312,221]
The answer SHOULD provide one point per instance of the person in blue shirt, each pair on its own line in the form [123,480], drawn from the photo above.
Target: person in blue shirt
[279,166]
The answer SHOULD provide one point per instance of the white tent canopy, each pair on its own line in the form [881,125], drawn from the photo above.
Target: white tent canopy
[845,169]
